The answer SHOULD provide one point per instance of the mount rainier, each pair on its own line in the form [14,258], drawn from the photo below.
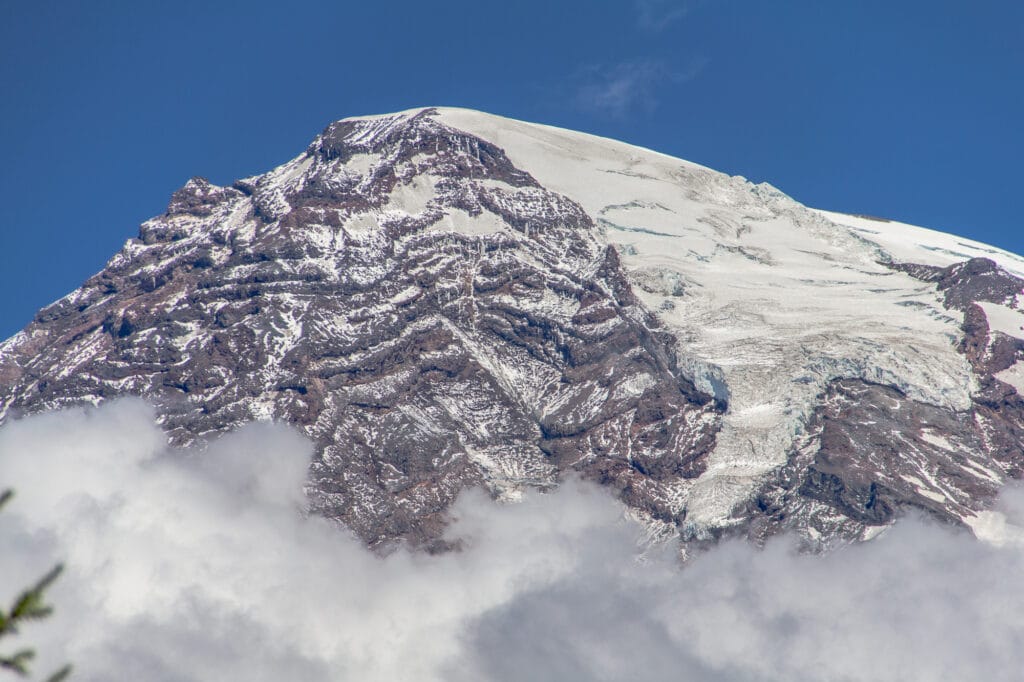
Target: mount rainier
[442,299]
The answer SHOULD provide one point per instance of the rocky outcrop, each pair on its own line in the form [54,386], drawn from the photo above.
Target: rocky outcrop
[870,452]
[420,359]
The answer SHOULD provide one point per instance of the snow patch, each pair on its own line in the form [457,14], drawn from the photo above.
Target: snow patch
[1004,319]
[1014,376]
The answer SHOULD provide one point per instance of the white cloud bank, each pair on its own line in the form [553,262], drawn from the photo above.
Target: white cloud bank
[198,566]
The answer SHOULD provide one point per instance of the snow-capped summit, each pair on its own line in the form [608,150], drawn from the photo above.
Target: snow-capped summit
[442,298]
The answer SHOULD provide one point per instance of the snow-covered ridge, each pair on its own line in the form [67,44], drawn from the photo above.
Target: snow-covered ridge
[905,242]
[444,298]
[779,298]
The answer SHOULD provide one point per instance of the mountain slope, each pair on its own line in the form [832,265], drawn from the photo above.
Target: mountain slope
[441,298]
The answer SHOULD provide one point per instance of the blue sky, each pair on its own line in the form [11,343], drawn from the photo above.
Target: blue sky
[899,108]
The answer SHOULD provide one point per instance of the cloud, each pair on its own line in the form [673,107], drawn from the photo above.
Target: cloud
[631,85]
[657,15]
[198,565]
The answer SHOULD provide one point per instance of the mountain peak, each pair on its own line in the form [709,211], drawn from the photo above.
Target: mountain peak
[442,298]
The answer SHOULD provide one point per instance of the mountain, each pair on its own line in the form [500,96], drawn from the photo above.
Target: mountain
[442,298]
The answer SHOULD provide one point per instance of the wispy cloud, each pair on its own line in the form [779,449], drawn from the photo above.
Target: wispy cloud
[633,85]
[657,15]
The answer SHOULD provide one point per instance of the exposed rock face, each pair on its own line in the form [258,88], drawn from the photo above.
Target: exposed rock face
[871,452]
[440,305]
[966,285]
[422,359]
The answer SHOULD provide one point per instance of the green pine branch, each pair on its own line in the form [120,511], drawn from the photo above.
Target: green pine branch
[30,605]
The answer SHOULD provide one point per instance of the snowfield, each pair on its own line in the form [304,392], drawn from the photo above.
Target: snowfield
[774,298]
